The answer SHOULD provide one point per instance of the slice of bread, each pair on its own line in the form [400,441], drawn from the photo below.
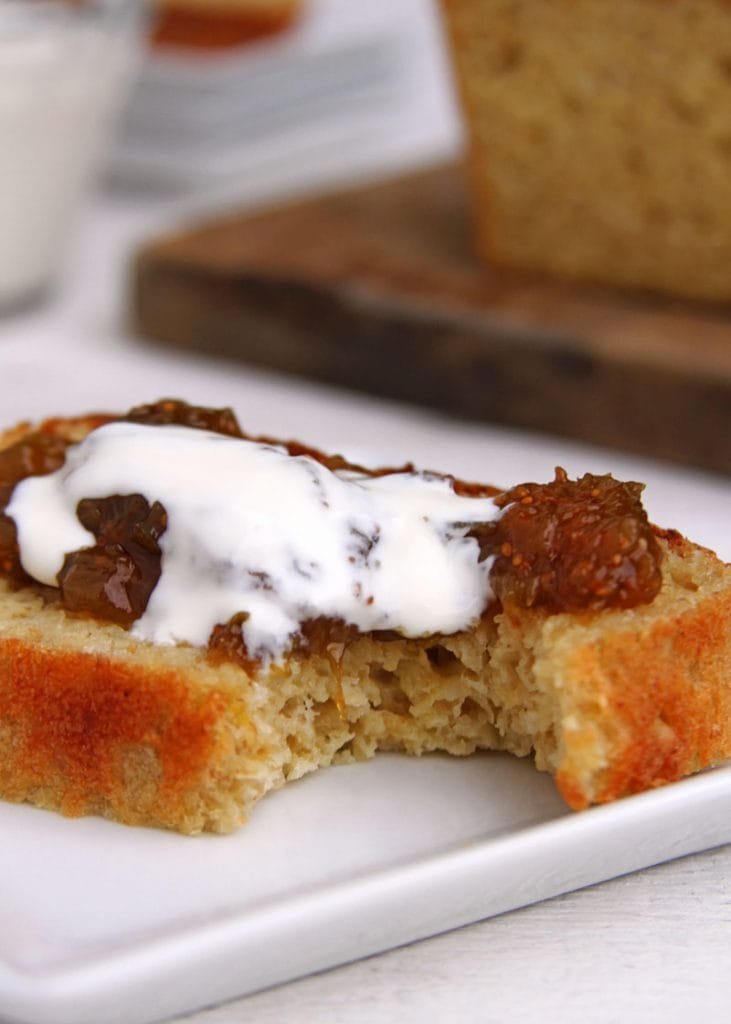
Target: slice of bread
[611,702]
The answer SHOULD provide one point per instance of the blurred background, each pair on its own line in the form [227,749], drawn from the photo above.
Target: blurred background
[160,114]
[335,89]
[534,233]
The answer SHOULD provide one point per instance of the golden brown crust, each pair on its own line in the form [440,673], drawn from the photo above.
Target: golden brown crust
[74,723]
[665,701]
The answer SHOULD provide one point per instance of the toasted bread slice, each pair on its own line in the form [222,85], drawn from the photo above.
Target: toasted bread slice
[611,701]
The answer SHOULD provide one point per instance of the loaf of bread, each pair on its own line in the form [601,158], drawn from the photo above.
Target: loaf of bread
[611,700]
[599,140]
[220,24]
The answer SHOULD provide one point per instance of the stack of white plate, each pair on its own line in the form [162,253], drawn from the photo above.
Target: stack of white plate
[342,78]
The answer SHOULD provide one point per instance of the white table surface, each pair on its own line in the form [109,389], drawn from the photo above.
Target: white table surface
[654,946]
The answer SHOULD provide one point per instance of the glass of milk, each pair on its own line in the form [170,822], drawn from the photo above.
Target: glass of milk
[65,67]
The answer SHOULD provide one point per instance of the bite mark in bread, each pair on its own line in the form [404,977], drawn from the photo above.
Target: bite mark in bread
[611,701]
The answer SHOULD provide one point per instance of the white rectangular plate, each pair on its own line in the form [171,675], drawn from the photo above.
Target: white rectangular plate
[103,922]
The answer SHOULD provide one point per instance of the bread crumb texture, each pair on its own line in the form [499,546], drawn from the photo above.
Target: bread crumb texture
[94,722]
[600,137]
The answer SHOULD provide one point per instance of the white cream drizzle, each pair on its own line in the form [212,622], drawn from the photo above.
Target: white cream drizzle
[253,529]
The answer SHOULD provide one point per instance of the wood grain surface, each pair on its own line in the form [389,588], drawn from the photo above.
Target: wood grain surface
[376,288]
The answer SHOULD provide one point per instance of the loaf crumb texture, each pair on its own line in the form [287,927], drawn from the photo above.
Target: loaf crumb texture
[94,722]
[600,137]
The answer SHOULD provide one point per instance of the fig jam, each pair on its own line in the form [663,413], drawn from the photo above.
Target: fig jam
[170,411]
[572,545]
[316,636]
[562,546]
[35,455]
[113,579]
[226,643]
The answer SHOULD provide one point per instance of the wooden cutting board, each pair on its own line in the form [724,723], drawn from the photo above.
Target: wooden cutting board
[376,288]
